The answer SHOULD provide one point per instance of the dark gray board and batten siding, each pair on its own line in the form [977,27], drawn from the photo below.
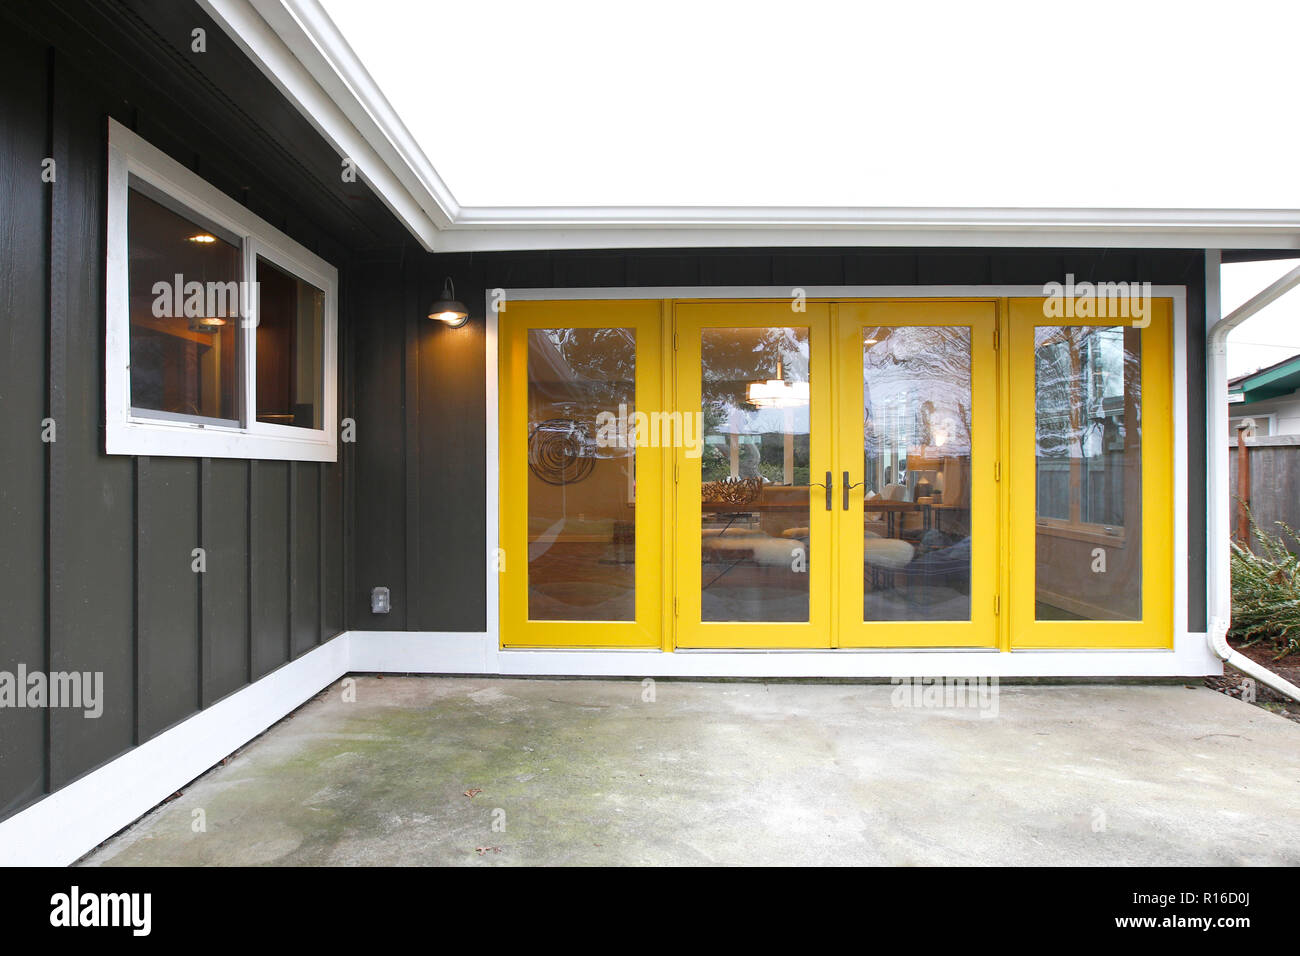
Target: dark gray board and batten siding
[96,550]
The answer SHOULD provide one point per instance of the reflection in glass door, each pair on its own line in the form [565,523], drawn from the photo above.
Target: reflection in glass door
[1088,439]
[754,533]
[753,506]
[917,507]
[581,499]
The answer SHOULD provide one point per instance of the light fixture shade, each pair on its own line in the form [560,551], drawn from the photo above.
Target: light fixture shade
[777,393]
[448,308]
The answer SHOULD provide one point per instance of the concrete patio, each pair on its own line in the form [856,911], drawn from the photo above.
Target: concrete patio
[592,772]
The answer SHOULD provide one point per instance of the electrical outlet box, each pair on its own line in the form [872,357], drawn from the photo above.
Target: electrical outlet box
[380,603]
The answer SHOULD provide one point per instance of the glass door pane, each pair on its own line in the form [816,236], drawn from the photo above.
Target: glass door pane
[754,532]
[916,395]
[581,489]
[1088,441]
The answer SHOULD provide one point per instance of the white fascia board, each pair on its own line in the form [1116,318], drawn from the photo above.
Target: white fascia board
[459,238]
[263,45]
[295,43]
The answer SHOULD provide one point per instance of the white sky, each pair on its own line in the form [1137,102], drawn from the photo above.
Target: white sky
[1270,335]
[1097,103]
[993,103]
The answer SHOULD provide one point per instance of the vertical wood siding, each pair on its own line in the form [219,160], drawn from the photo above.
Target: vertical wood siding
[96,551]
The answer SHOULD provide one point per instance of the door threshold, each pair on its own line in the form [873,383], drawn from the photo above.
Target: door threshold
[837,650]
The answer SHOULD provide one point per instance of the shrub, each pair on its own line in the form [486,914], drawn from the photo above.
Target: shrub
[1266,591]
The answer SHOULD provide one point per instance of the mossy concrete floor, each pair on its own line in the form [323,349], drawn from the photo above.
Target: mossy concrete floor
[593,772]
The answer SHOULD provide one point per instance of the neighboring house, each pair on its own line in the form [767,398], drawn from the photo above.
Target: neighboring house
[1269,396]
[240,460]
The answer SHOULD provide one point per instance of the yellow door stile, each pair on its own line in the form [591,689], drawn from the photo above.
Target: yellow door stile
[836,385]
[671,466]
[1004,497]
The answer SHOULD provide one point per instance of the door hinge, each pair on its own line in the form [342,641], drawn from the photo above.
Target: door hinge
[674,341]
[997,338]
[997,604]
[675,603]
[676,472]
[997,471]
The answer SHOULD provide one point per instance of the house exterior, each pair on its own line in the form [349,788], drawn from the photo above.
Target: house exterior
[1270,397]
[242,460]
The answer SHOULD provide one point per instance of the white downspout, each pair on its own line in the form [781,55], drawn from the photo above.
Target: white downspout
[1218,530]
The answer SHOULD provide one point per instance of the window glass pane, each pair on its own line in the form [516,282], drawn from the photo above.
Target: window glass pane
[754,509]
[290,341]
[185,311]
[581,486]
[916,547]
[1089,448]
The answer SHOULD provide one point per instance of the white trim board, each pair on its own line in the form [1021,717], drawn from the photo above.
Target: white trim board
[130,432]
[437,652]
[296,45]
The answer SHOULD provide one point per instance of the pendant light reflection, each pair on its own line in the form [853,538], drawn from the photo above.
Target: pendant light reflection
[448,308]
[777,392]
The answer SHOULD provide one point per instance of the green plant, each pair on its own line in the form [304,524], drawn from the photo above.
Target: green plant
[1266,591]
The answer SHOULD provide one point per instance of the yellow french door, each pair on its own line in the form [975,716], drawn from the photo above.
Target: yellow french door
[916,454]
[966,473]
[754,553]
[581,499]
[1091,475]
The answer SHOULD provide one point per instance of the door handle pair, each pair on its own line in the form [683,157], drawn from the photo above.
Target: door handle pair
[829,485]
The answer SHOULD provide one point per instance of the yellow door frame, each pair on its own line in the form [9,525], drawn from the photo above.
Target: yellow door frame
[981,317]
[1155,628]
[645,317]
[691,318]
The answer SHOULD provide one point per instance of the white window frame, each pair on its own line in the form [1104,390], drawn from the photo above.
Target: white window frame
[126,433]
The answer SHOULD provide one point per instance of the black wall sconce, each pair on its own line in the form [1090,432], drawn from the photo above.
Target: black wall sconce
[448,308]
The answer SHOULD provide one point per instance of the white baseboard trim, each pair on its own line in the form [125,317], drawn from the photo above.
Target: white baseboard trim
[422,652]
[73,820]
[68,823]
[438,652]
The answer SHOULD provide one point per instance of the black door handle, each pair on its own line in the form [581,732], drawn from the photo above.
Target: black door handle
[847,488]
[830,490]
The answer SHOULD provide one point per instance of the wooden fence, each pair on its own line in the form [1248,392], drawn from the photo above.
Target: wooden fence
[1271,485]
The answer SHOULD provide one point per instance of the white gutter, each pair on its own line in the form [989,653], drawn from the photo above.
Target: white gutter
[1218,545]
